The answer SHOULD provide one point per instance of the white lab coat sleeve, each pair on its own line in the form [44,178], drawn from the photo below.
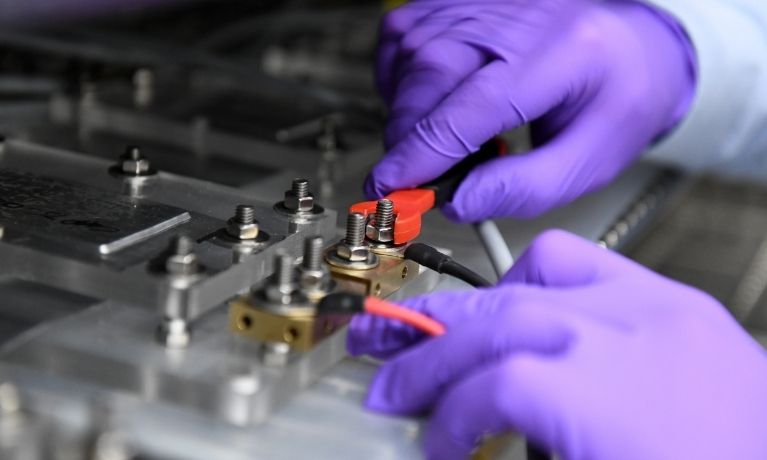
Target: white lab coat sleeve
[726,127]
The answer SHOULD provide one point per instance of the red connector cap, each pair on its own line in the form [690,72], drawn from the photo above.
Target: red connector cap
[409,206]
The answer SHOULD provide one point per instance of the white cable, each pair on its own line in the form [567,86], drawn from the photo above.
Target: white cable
[495,246]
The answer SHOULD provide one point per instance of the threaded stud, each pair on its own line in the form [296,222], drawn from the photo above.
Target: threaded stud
[300,188]
[384,214]
[182,245]
[355,229]
[283,272]
[313,253]
[245,214]
[133,153]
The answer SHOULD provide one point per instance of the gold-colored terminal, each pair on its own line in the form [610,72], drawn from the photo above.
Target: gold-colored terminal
[391,273]
[301,330]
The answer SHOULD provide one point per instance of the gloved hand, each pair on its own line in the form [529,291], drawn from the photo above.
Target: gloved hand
[585,353]
[603,79]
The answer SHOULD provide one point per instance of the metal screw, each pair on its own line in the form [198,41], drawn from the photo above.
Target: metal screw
[134,163]
[182,260]
[245,214]
[355,229]
[300,188]
[384,214]
[281,286]
[243,225]
[283,273]
[353,248]
[313,253]
[174,333]
[381,228]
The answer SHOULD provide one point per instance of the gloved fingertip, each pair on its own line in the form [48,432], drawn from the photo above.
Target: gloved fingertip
[453,213]
[370,188]
[358,340]
[377,399]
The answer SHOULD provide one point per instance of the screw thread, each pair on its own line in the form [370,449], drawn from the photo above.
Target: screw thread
[245,214]
[283,271]
[183,245]
[384,214]
[355,229]
[133,153]
[300,188]
[313,253]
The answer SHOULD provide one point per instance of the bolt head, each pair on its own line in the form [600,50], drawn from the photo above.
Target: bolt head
[296,204]
[313,280]
[135,167]
[242,231]
[380,235]
[174,333]
[353,253]
[186,264]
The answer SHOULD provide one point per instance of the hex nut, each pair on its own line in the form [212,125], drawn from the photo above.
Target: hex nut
[352,253]
[313,279]
[182,264]
[298,204]
[135,167]
[380,235]
[242,231]
[174,333]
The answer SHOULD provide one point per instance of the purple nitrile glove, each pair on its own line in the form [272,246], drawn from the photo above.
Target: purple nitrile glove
[601,79]
[584,352]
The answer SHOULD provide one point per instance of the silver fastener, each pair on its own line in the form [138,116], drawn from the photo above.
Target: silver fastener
[381,228]
[134,163]
[182,259]
[299,198]
[174,333]
[281,285]
[353,248]
[243,225]
[313,274]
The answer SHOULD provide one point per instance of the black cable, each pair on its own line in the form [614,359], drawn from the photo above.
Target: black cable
[429,257]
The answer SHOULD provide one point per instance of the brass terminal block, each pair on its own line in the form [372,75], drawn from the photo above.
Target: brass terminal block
[384,279]
[298,327]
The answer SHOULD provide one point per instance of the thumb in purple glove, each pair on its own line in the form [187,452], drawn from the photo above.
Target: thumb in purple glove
[585,353]
[602,80]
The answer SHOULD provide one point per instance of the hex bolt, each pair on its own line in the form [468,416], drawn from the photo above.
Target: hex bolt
[283,273]
[245,214]
[174,333]
[354,248]
[134,163]
[182,259]
[243,225]
[299,198]
[281,286]
[313,253]
[381,228]
[384,214]
[183,245]
[355,229]
[300,188]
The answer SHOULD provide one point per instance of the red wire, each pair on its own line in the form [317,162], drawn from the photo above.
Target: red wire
[378,307]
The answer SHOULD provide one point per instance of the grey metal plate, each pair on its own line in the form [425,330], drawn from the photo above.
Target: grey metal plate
[85,220]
